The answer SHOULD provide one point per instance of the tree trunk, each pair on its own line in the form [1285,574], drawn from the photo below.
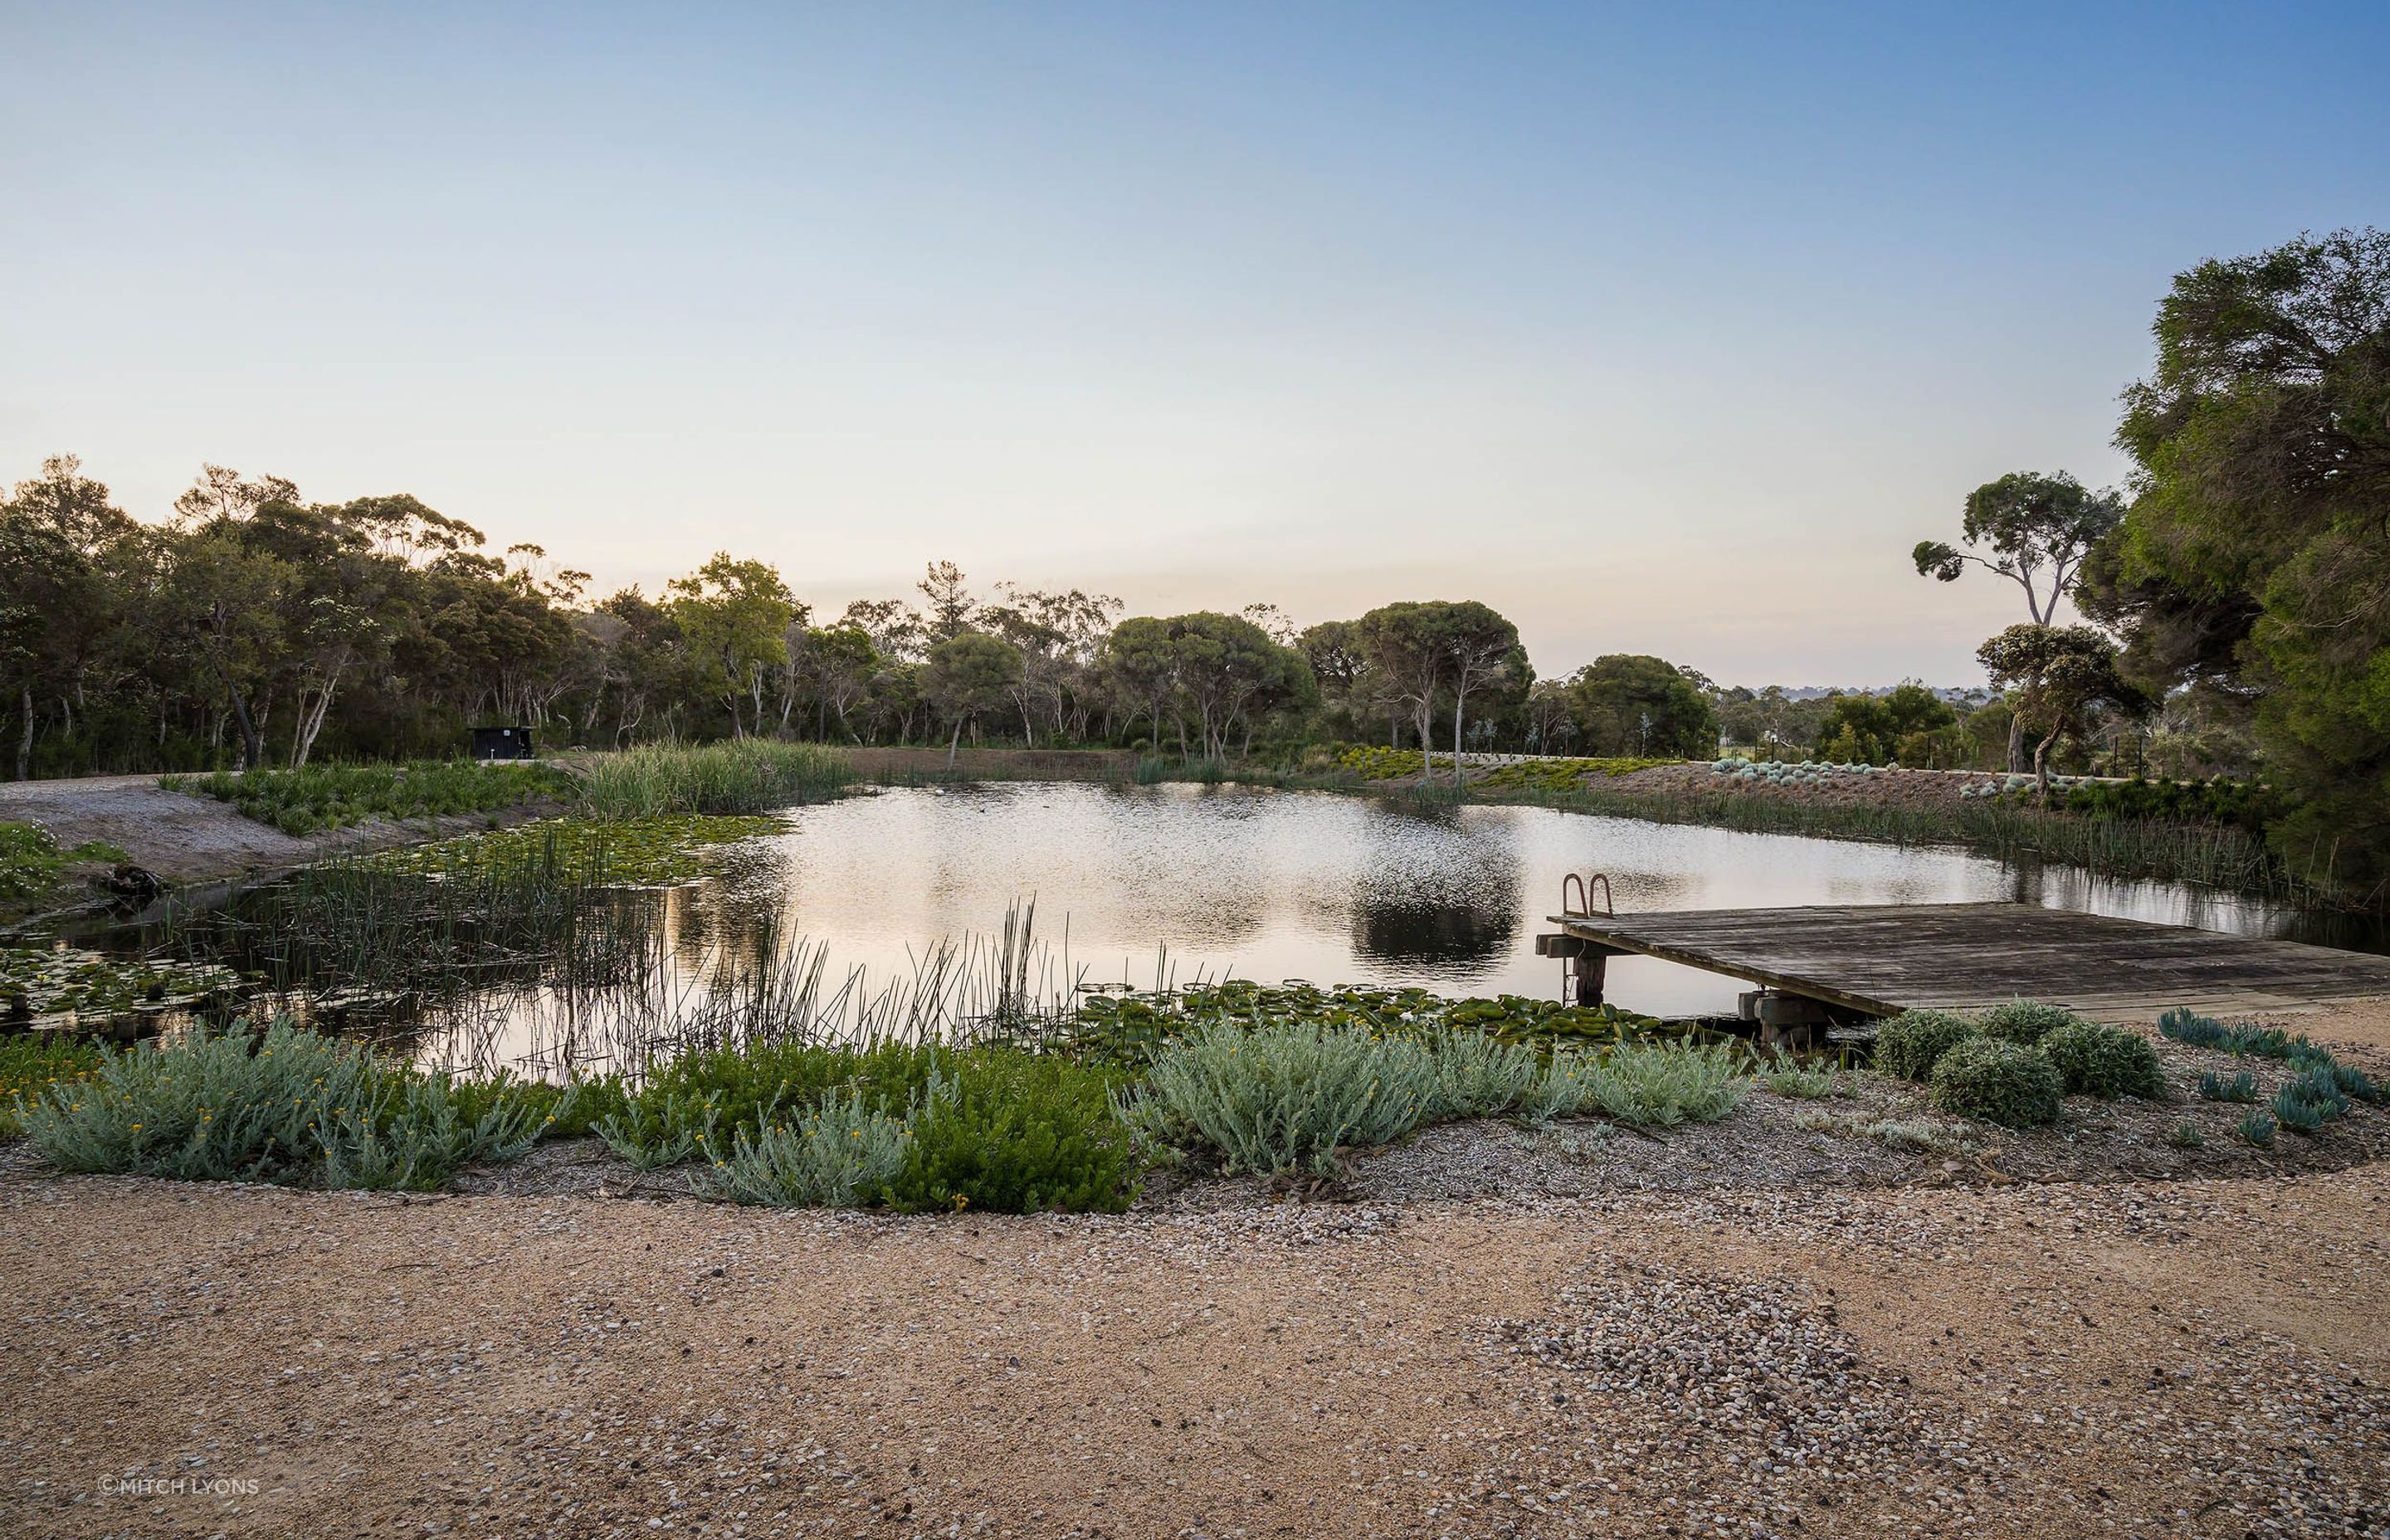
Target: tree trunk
[2016,743]
[955,744]
[2041,764]
[1458,698]
[25,740]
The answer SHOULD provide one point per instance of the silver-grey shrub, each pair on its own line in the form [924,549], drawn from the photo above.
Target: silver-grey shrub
[841,1155]
[1480,1076]
[411,1133]
[234,1105]
[1649,1084]
[1285,1097]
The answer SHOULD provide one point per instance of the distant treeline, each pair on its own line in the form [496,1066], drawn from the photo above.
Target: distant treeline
[256,627]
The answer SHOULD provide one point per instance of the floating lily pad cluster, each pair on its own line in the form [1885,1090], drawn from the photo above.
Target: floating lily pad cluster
[1131,1025]
[644,852]
[40,985]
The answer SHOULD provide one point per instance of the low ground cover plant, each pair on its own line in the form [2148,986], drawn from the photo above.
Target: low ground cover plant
[32,862]
[335,796]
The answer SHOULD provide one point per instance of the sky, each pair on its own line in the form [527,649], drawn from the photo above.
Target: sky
[1661,328]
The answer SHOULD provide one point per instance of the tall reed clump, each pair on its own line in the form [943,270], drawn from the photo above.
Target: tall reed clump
[748,776]
[280,1105]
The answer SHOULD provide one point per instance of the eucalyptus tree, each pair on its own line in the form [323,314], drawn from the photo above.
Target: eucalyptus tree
[2038,530]
[736,615]
[2253,564]
[2055,676]
[969,674]
[1429,653]
[1627,703]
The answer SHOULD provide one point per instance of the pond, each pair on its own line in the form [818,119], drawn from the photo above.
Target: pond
[1182,883]
[1273,885]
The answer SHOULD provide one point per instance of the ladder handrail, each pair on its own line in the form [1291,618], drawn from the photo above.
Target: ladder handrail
[1583,886]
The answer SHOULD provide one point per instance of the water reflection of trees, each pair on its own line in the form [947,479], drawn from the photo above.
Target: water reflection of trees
[1393,930]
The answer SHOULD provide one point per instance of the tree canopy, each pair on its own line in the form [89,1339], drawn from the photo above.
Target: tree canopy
[2254,558]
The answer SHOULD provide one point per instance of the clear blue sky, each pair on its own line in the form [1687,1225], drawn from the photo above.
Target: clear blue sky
[1663,329]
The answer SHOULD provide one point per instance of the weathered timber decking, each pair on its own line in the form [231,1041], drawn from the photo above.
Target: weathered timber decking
[1888,957]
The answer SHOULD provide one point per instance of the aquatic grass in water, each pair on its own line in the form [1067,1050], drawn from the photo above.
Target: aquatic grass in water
[663,851]
[748,776]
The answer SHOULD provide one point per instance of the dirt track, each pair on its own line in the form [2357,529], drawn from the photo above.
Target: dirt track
[190,839]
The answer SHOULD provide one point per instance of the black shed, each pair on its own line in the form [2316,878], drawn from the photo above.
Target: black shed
[502,743]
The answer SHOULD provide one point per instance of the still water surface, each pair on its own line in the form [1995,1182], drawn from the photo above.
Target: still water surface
[1274,885]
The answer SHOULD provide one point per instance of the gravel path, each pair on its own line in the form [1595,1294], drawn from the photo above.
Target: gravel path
[185,838]
[2194,1358]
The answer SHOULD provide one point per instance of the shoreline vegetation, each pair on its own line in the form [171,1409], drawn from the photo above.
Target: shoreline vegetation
[2106,832]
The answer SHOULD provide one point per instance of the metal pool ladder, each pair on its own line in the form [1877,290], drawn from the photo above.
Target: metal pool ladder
[1583,888]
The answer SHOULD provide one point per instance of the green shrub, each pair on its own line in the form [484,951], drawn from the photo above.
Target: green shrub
[2026,1023]
[1010,1130]
[2105,1061]
[2000,1082]
[2185,1136]
[333,796]
[1910,1044]
[662,1126]
[1286,1097]
[2256,1125]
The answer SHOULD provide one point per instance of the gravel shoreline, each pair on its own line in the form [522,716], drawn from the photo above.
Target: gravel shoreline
[1755,1329]
[2196,1358]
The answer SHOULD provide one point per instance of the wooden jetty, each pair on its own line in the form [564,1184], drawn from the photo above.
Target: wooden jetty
[1881,958]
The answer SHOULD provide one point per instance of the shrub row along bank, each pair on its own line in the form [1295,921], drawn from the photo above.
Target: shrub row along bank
[911,1126]
[2014,1065]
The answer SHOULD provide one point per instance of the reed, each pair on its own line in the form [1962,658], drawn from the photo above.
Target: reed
[748,776]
